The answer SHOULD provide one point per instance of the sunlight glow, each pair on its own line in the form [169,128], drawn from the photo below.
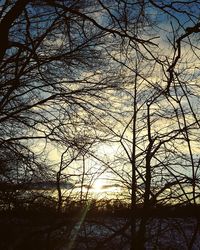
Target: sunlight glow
[98,185]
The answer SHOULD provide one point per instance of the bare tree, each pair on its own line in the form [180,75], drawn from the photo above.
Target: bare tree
[77,74]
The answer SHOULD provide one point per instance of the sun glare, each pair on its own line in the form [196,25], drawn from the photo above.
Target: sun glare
[98,185]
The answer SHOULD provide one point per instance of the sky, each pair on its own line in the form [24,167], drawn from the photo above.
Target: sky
[121,81]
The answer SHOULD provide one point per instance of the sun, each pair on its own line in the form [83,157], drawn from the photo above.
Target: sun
[98,185]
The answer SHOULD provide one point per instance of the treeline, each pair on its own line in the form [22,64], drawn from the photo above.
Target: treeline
[47,206]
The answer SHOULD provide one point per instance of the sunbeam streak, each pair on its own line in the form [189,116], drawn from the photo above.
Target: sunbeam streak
[77,226]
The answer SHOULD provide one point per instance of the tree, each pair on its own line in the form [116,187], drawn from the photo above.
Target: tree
[77,74]
[51,68]
[161,156]
[45,69]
